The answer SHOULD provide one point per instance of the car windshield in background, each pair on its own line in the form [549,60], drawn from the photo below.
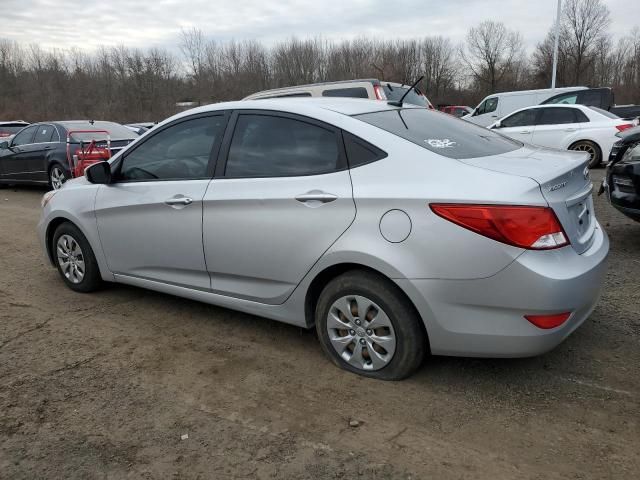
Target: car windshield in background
[116,131]
[396,93]
[604,112]
[8,130]
[441,133]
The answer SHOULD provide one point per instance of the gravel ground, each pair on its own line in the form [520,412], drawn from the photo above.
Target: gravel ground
[109,385]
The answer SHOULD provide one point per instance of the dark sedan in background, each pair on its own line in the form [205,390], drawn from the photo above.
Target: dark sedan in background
[622,180]
[39,153]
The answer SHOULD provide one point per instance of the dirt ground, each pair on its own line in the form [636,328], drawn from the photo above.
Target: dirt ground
[107,385]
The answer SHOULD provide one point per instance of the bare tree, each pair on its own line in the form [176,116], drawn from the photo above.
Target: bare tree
[491,51]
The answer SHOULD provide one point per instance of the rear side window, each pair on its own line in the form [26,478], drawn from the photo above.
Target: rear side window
[520,119]
[557,116]
[356,92]
[179,152]
[567,99]
[581,117]
[360,152]
[44,134]
[274,146]
[441,133]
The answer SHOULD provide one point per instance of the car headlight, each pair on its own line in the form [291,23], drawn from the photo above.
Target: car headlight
[46,198]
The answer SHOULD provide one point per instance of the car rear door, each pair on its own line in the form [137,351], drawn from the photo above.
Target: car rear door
[281,197]
[554,125]
[150,218]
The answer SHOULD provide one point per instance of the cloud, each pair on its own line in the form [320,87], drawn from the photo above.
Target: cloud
[87,24]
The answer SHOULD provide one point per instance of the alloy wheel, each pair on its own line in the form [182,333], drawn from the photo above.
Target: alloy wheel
[361,332]
[70,258]
[57,178]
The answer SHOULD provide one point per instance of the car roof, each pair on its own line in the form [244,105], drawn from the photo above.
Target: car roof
[14,122]
[304,105]
[319,84]
[526,92]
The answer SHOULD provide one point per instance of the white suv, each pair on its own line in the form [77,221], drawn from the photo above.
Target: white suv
[371,88]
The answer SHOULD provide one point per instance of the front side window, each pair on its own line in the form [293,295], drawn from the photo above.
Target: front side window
[357,92]
[556,116]
[179,152]
[441,133]
[25,136]
[520,119]
[44,134]
[488,106]
[274,146]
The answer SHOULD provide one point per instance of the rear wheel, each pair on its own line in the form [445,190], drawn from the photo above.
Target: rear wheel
[75,260]
[367,326]
[595,155]
[57,177]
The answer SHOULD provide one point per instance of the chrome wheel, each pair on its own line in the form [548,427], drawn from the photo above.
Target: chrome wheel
[70,258]
[361,332]
[57,178]
[586,147]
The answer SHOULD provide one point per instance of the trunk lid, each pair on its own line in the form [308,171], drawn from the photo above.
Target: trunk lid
[564,182]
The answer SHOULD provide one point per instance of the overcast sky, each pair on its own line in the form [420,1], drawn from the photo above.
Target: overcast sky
[145,23]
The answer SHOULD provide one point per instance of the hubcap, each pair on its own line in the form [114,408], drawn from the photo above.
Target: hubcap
[361,332]
[57,178]
[585,147]
[70,258]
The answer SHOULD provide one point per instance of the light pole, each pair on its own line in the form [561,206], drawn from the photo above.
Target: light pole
[555,47]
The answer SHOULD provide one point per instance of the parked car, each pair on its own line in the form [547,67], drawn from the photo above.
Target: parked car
[396,231]
[500,105]
[9,129]
[602,97]
[572,127]
[140,128]
[456,110]
[622,179]
[367,88]
[40,154]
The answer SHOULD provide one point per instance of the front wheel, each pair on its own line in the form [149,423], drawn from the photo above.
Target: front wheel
[75,260]
[595,156]
[57,177]
[367,326]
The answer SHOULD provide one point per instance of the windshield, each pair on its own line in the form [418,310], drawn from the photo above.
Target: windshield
[396,93]
[10,129]
[116,131]
[441,133]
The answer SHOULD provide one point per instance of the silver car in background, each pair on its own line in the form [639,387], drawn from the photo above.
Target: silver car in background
[396,231]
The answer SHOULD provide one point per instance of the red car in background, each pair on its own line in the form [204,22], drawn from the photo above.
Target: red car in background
[456,110]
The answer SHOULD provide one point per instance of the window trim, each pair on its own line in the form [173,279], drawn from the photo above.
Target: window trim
[213,155]
[223,156]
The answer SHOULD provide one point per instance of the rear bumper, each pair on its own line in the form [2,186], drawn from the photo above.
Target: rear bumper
[485,317]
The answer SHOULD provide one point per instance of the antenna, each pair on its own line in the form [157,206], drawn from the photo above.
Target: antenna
[399,103]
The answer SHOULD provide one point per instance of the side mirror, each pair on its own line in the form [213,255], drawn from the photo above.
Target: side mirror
[99,173]
[4,145]
[498,124]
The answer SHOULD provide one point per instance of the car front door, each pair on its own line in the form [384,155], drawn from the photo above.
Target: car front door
[15,159]
[519,125]
[554,125]
[281,198]
[150,218]
[43,143]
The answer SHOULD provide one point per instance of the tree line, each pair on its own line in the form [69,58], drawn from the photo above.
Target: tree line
[128,84]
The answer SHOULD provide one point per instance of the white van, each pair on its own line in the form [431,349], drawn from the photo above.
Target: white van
[498,105]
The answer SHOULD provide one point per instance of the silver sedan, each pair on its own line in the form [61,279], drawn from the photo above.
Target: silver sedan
[397,231]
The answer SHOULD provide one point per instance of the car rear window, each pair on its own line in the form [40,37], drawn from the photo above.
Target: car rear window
[396,93]
[356,92]
[8,130]
[604,112]
[441,133]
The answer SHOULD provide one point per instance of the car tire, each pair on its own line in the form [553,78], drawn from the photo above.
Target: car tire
[80,272]
[395,345]
[592,149]
[57,176]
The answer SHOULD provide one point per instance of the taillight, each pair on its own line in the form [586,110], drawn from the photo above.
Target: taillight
[378,90]
[533,228]
[624,126]
[548,321]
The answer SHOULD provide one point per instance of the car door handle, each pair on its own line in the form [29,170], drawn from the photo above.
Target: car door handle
[316,196]
[48,147]
[524,131]
[179,201]
[570,129]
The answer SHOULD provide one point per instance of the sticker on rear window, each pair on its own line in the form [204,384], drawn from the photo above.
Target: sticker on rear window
[440,143]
